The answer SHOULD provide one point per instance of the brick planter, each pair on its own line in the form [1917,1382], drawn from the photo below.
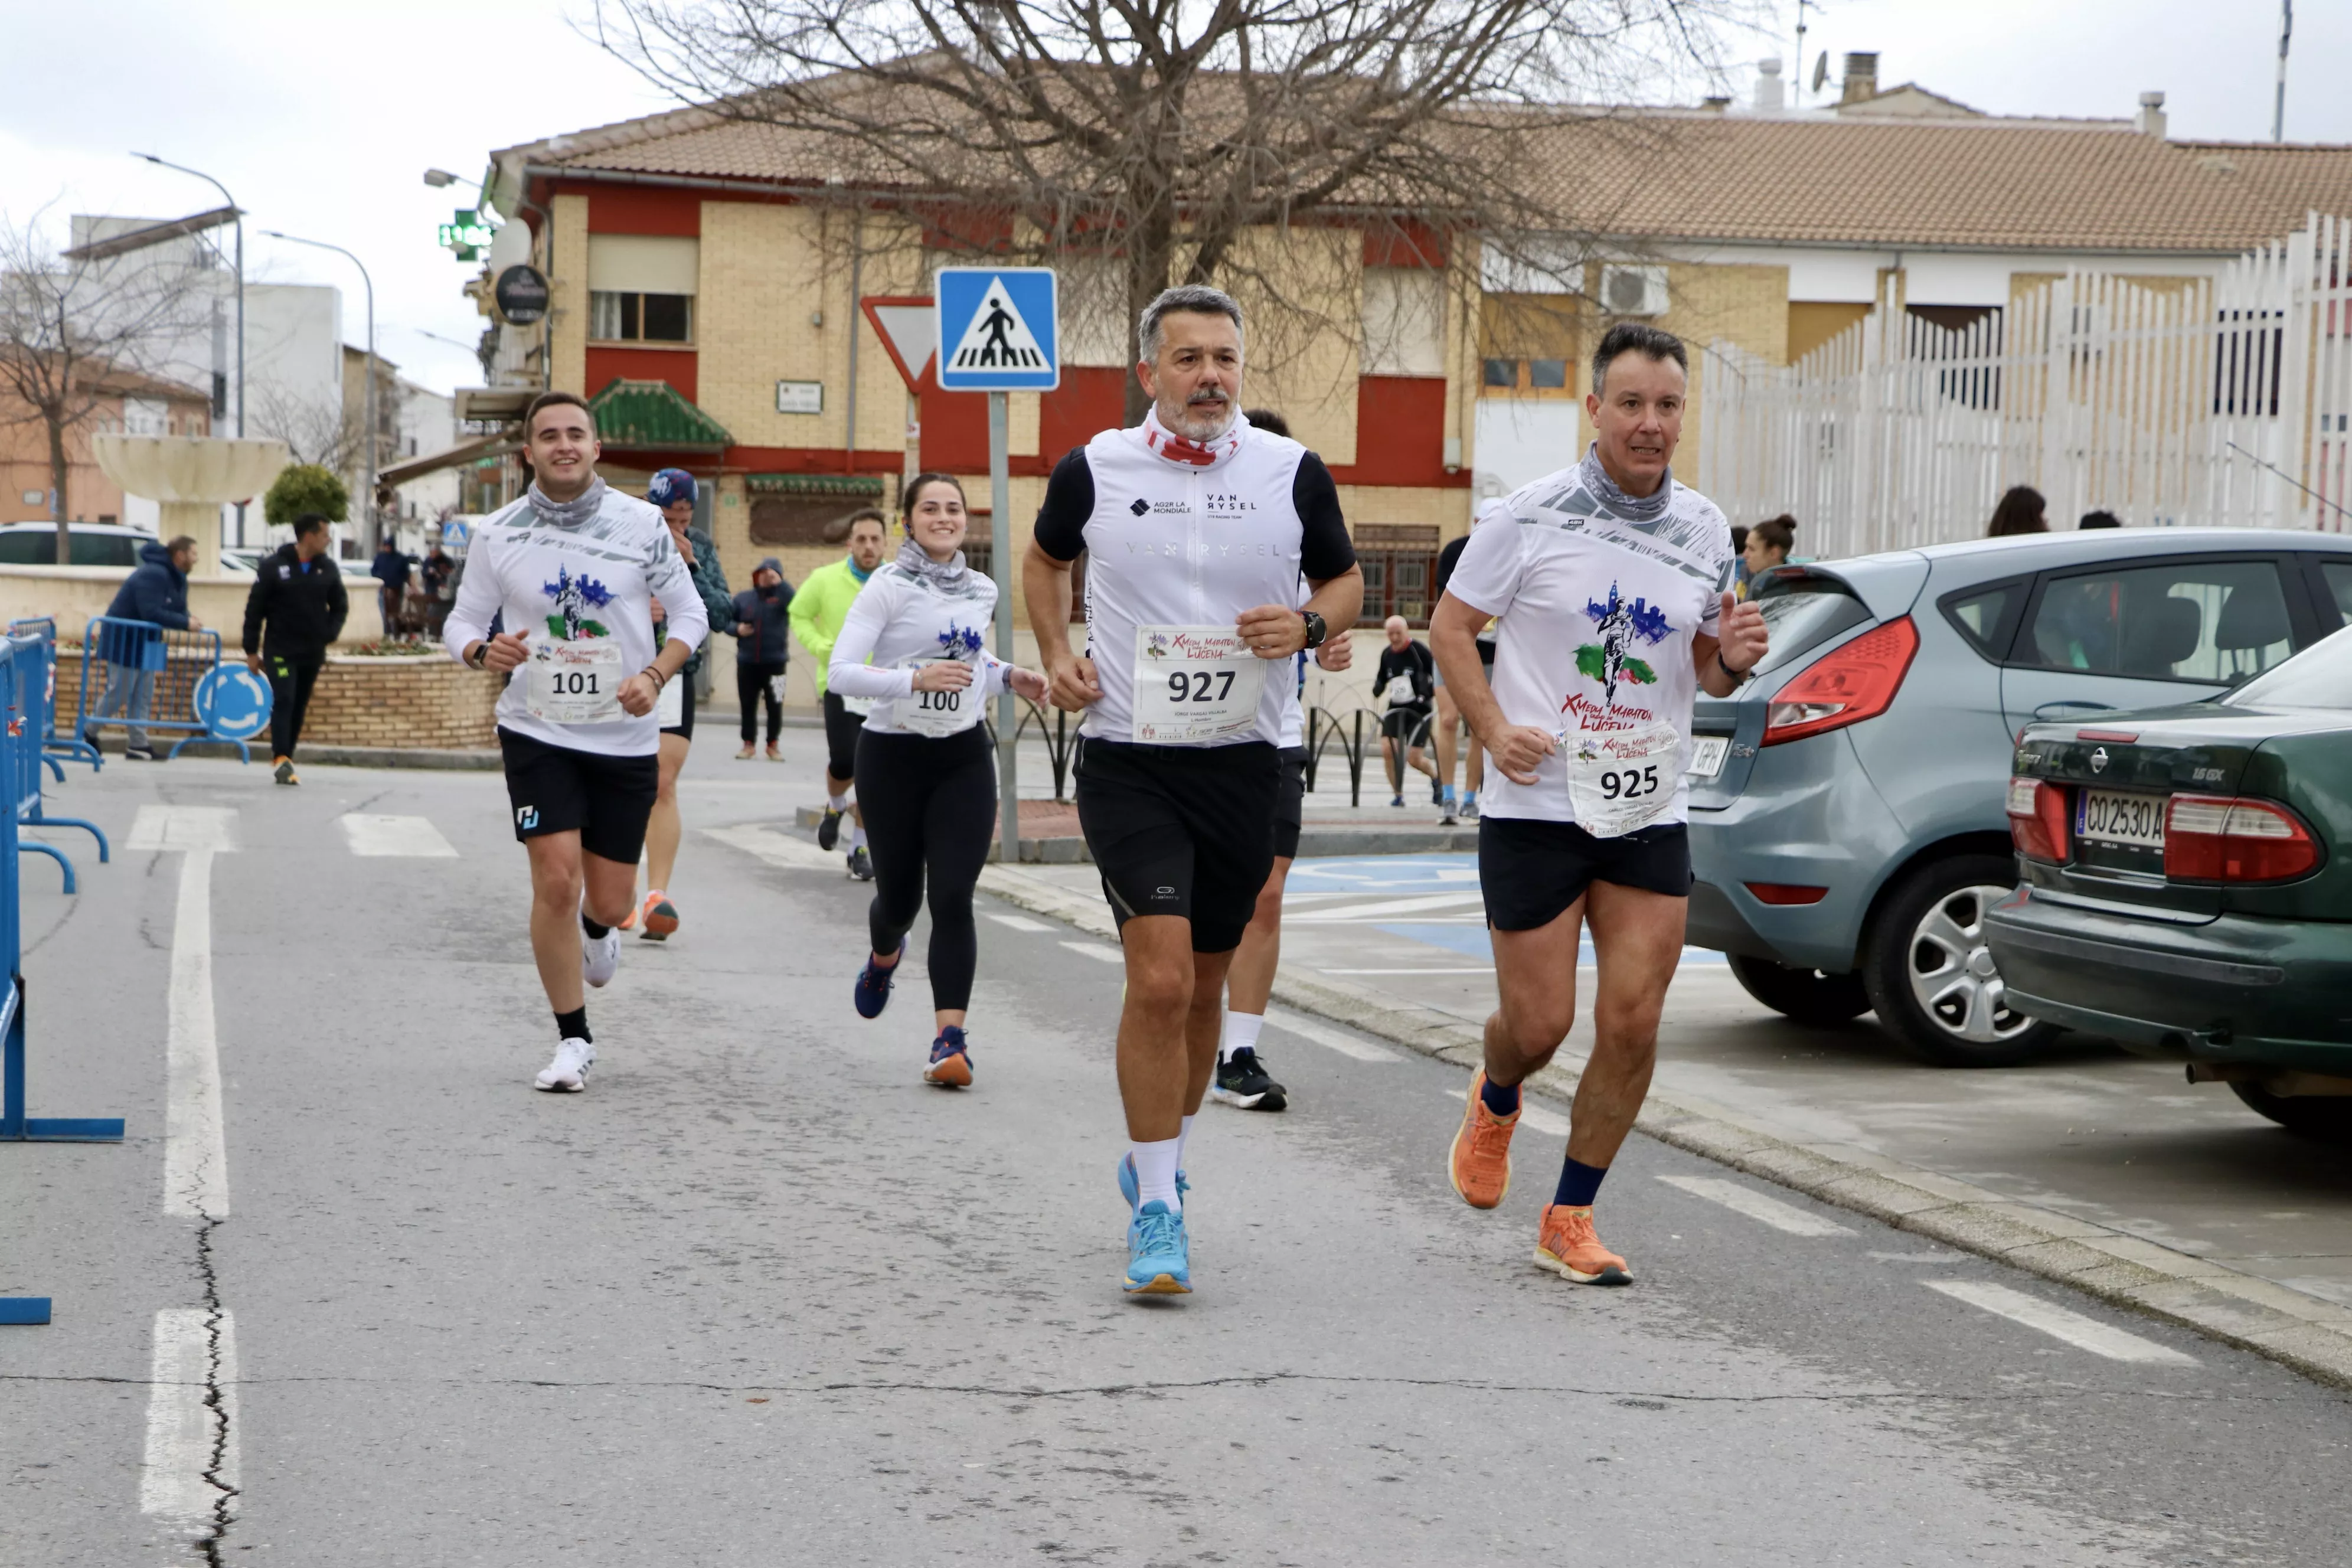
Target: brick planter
[399,704]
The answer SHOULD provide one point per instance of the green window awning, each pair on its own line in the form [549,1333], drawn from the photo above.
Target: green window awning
[855,487]
[650,416]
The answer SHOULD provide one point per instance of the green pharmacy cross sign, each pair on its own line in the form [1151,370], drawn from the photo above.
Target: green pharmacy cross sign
[468,236]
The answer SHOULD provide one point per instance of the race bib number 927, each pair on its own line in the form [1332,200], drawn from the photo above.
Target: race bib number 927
[1194,684]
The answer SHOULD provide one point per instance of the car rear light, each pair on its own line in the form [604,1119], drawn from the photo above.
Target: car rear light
[1849,683]
[2124,736]
[1785,894]
[2208,838]
[2037,820]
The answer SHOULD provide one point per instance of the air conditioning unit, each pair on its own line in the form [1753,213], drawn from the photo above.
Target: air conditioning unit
[1634,291]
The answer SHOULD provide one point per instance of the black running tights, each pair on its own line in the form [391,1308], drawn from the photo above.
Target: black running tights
[930,807]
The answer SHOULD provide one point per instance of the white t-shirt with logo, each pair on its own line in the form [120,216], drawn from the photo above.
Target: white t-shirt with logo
[901,620]
[1595,612]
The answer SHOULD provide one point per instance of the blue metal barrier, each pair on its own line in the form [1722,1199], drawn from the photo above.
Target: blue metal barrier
[24,688]
[168,663]
[72,748]
[19,739]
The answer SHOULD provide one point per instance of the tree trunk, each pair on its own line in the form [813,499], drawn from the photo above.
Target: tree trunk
[1150,256]
[57,509]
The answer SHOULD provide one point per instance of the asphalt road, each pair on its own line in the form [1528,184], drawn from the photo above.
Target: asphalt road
[760,1295]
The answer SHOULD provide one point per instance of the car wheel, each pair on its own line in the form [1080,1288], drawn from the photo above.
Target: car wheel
[2313,1116]
[1930,976]
[1807,995]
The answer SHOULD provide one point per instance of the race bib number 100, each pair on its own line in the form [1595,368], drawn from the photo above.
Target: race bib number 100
[940,714]
[1620,782]
[1194,684]
[575,683]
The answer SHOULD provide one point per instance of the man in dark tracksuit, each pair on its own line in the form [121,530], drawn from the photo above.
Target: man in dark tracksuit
[763,632]
[297,592]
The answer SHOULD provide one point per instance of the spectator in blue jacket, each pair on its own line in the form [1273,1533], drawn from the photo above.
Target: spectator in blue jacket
[762,630]
[155,596]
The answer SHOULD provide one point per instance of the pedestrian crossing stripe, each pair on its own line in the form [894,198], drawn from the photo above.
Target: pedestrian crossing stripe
[998,338]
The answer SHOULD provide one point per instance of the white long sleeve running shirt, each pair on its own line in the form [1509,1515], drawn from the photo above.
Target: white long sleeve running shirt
[581,599]
[902,620]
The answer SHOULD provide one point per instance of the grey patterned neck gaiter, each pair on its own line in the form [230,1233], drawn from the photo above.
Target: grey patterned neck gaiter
[568,513]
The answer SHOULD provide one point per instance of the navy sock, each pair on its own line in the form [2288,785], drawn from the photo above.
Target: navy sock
[574,1025]
[595,932]
[1501,1099]
[1579,1184]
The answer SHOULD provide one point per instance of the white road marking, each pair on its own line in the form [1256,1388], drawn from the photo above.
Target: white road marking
[781,849]
[1388,908]
[1780,1216]
[1097,950]
[1489,969]
[195,1157]
[1549,1123]
[1019,922]
[1282,1018]
[411,837]
[1921,1256]
[182,1428]
[2082,1332]
[183,827]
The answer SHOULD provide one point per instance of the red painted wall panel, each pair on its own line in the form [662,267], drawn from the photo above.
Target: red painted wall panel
[644,209]
[676,367]
[955,428]
[1090,400]
[1400,431]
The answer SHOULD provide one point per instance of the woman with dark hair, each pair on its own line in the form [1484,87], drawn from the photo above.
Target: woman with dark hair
[2021,511]
[1767,546]
[915,643]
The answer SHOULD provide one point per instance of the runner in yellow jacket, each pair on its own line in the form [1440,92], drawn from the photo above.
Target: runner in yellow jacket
[819,606]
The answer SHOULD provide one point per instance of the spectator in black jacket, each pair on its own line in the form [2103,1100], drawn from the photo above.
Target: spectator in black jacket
[761,635]
[298,595]
[153,599]
[1408,674]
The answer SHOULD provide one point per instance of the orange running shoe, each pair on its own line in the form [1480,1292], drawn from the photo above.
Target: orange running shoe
[1566,1244]
[659,914]
[1480,1164]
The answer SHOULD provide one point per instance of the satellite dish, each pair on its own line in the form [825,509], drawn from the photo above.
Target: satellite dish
[1821,70]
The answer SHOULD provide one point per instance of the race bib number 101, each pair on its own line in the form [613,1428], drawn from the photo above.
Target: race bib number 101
[1194,684]
[575,683]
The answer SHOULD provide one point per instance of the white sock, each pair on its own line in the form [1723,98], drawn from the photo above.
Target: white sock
[838,802]
[1155,1172]
[857,836]
[1241,1034]
[1183,1134]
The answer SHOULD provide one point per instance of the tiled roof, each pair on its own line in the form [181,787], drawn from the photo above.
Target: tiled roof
[650,416]
[1984,182]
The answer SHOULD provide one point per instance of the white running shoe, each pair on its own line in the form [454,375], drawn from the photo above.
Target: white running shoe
[568,1073]
[600,955]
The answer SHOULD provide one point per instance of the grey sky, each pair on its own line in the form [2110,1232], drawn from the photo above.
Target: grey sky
[321,118]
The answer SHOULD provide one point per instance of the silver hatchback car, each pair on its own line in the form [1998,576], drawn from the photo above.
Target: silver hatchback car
[1848,822]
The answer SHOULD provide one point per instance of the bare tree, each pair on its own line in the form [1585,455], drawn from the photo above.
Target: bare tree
[72,332]
[1156,137]
[329,435]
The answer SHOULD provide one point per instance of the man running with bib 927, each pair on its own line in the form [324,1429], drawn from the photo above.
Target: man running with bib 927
[1611,582]
[1196,528]
[574,565]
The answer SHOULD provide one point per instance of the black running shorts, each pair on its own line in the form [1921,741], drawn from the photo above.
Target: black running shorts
[1403,723]
[556,789]
[684,725]
[1532,870]
[842,729]
[1181,830]
[1290,804]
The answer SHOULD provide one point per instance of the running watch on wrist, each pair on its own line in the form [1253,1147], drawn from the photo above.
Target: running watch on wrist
[1316,630]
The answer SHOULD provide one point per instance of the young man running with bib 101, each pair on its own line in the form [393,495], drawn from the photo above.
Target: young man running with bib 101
[1196,529]
[575,565]
[1611,582]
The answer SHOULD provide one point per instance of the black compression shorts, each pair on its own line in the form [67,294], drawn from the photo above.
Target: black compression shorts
[557,789]
[842,729]
[1181,830]
[1290,804]
[1532,870]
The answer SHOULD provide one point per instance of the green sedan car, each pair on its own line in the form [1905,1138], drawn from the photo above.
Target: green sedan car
[2188,885]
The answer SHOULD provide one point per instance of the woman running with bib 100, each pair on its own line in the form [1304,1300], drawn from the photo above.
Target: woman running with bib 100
[914,645]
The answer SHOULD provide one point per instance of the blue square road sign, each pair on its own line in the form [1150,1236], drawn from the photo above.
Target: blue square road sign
[1000,328]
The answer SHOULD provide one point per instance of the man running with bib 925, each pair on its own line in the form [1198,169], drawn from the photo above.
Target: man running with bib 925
[1611,582]
[1197,528]
[574,567]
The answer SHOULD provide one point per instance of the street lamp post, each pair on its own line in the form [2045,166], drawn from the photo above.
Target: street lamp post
[368,405]
[199,173]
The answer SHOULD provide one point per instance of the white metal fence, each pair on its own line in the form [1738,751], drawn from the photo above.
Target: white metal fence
[2166,401]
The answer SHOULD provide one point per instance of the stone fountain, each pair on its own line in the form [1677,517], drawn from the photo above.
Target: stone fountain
[189,476]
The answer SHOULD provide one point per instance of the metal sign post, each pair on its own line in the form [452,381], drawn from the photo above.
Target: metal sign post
[1000,332]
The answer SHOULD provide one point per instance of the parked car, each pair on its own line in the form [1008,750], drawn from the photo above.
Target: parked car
[244,560]
[1848,816]
[2188,885]
[90,543]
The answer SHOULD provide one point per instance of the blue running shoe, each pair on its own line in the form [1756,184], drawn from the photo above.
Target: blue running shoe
[950,1059]
[874,984]
[1159,1257]
[1129,1190]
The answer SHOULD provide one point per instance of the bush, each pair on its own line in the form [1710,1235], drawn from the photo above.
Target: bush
[306,487]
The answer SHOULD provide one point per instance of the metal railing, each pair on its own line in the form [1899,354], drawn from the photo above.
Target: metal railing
[54,746]
[25,688]
[154,670]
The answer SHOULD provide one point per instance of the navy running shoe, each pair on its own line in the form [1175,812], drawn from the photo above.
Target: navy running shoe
[950,1059]
[874,984]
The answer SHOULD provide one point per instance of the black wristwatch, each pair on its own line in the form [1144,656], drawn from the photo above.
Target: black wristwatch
[1316,629]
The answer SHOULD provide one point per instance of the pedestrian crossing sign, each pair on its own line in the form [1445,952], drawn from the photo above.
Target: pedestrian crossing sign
[998,329]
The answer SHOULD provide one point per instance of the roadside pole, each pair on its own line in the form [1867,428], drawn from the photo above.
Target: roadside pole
[1000,558]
